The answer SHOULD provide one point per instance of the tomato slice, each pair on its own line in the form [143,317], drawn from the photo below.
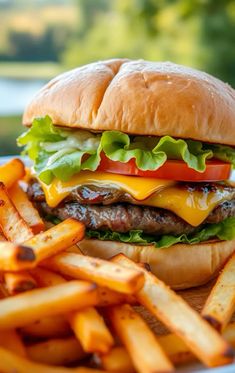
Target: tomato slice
[171,170]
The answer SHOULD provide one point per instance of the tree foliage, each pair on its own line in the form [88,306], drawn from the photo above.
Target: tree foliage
[199,33]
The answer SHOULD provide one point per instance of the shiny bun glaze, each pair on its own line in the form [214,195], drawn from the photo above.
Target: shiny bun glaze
[139,97]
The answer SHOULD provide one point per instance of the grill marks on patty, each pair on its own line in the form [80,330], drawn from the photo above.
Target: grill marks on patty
[122,218]
[100,209]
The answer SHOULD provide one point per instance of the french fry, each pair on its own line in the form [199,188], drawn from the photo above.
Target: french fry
[87,324]
[15,257]
[3,291]
[146,353]
[117,360]
[48,327]
[11,340]
[176,349]
[13,225]
[102,272]
[61,351]
[108,297]
[229,333]
[220,304]
[178,352]
[28,307]
[19,282]
[45,277]
[90,329]
[56,239]
[181,319]
[74,249]
[11,172]
[10,362]
[2,237]
[26,208]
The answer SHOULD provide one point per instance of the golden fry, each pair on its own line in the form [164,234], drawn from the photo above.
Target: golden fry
[146,353]
[10,362]
[56,239]
[45,277]
[15,257]
[55,326]
[100,271]
[60,351]
[26,209]
[19,282]
[181,319]
[91,331]
[28,307]
[176,349]
[2,237]
[108,297]
[11,172]
[117,360]
[11,340]
[14,227]
[220,304]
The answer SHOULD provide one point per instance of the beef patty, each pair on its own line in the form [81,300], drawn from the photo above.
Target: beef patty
[93,207]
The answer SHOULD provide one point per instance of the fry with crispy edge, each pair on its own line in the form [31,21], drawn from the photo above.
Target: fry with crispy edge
[26,208]
[146,353]
[48,327]
[57,351]
[108,297]
[91,330]
[116,360]
[102,272]
[56,239]
[220,304]
[11,340]
[87,324]
[45,277]
[2,237]
[19,282]
[10,362]
[3,291]
[179,353]
[176,349]
[11,172]
[15,257]
[14,227]
[181,319]
[28,307]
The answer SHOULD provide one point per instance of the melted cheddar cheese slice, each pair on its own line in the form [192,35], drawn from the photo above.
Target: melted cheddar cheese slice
[192,206]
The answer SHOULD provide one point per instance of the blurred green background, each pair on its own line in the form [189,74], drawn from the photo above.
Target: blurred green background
[41,38]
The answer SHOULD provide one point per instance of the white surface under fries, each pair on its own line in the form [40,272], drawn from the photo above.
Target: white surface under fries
[189,368]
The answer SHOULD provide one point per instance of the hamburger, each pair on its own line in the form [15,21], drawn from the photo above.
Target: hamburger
[141,153]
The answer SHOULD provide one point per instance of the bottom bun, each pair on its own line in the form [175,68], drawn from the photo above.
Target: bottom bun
[180,266]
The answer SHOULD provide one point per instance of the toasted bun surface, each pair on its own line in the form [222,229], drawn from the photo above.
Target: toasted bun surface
[180,266]
[139,97]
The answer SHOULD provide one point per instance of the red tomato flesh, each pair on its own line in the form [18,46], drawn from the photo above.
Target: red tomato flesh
[171,170]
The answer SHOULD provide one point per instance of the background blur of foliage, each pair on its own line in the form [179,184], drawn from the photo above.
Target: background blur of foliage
[40,38]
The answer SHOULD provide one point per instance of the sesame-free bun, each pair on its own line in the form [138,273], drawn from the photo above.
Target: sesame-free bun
[180,266]
[139,97]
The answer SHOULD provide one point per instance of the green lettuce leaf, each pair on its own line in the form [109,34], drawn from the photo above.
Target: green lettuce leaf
[224,230]
[61,153]
[223,152]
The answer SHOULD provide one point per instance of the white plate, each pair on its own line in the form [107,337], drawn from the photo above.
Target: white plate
[187,368]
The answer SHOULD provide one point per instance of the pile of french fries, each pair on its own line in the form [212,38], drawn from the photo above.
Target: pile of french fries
[61,311]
